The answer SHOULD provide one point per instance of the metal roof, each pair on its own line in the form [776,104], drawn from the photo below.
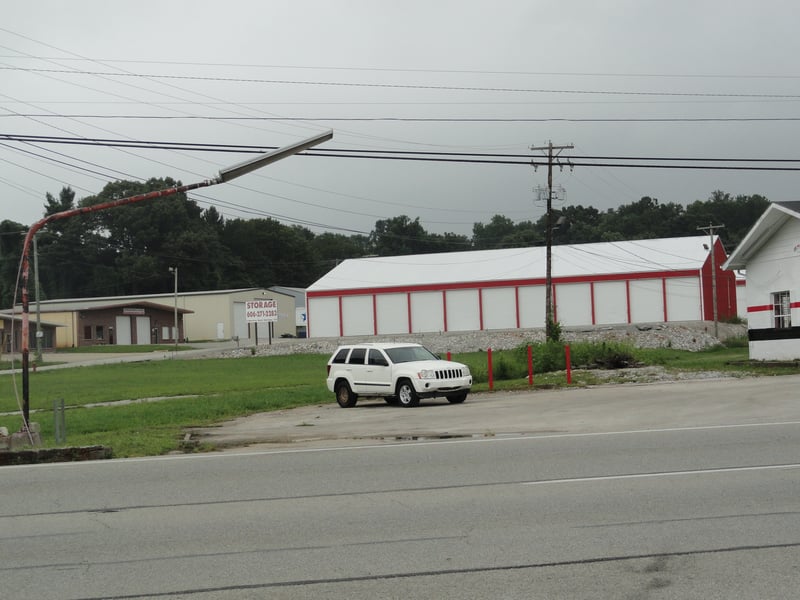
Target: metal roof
[775,217]
[73,304]
[604,258]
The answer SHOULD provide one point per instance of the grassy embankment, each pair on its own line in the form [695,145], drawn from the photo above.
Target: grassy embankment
[153,402]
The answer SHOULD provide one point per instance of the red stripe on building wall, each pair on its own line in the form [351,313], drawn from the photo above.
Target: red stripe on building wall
[628,299]
[591,300]
[444,308]
[769,307]
[341,319]
[664,297]
[516,303]
[375,313]
[760,308]
[408,299]
[555,304]
[480,307]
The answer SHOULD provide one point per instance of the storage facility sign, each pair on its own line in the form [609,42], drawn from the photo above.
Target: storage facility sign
[260,311]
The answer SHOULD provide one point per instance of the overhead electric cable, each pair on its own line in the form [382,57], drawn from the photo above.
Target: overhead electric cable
[415,86]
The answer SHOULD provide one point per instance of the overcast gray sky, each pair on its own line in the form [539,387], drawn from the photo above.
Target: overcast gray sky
[635,78]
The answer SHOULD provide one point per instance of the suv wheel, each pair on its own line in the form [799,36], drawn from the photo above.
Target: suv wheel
[406,394]
[457,398]
[344,395]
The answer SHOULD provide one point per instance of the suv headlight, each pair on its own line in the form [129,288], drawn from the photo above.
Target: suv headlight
[427,374]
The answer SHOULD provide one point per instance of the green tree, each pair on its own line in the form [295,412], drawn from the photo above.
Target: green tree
[12,235]
[399,236]
[496,234]
[738,215]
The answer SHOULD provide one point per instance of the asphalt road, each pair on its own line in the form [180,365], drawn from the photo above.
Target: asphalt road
[597,509]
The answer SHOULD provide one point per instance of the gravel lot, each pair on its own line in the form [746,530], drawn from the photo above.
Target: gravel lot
[683,336]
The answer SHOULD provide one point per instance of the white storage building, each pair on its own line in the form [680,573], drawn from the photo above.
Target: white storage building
[770,255]
[606,283]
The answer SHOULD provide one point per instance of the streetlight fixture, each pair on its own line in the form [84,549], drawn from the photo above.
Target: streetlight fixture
[225,175]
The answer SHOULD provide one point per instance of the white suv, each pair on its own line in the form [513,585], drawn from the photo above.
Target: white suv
[400,373]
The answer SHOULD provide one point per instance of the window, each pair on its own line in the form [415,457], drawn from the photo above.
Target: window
[357,356]
[341,356]
[98,333]
[376,358]
[781,310]
[87,332]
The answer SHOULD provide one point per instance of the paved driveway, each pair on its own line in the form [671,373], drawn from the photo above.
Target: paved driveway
[598,409]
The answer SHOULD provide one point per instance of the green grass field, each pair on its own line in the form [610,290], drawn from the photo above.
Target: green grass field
[151,403]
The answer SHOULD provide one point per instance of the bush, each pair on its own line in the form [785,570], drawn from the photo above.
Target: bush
[740,341]
[608,355]
[550,356]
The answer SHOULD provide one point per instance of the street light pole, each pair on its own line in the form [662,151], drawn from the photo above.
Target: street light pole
[175,328]
[224,176]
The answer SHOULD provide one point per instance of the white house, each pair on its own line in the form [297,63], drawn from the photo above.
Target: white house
[639,281]
[770,256]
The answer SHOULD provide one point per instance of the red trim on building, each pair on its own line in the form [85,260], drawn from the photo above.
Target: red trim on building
[408,300]
[769,307]
[664,297]
[628,299]
[591,300]
[435,287]
[341,319]
[444,308]
[726,294]
[480,307]
[760,308]
[375,313]
[516,303]
[555,304]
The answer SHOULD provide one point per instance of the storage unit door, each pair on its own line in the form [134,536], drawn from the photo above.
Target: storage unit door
[142,330]
[123,327]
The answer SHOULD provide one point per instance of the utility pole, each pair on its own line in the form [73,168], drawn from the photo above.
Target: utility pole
[710,229]
[552,154]
[38,305]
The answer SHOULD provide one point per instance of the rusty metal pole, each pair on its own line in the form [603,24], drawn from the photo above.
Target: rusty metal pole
[225,175]
[26,269]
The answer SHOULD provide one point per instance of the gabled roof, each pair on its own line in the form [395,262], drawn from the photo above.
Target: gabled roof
[775,217]
[605,258]
[140,304]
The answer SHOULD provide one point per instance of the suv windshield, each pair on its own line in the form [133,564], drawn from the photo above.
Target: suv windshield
[410,353]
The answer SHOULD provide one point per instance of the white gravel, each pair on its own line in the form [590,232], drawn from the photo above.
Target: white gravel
[691,336]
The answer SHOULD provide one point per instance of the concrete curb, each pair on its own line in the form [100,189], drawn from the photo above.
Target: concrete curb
[52,455]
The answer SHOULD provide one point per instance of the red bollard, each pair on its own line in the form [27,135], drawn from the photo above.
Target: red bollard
[569,366]
[491,375]
[530,366]
[448,355]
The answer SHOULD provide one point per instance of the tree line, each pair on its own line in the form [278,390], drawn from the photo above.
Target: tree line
[128,250]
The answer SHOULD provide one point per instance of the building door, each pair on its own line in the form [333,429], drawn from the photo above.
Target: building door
[142,330]
[123,328]
[240,328]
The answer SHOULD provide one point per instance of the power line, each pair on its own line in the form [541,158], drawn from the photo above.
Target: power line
[416,86]
[413,119]
[502,158]
[408,70]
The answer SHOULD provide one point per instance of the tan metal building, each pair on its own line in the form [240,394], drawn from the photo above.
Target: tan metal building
[149,318]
